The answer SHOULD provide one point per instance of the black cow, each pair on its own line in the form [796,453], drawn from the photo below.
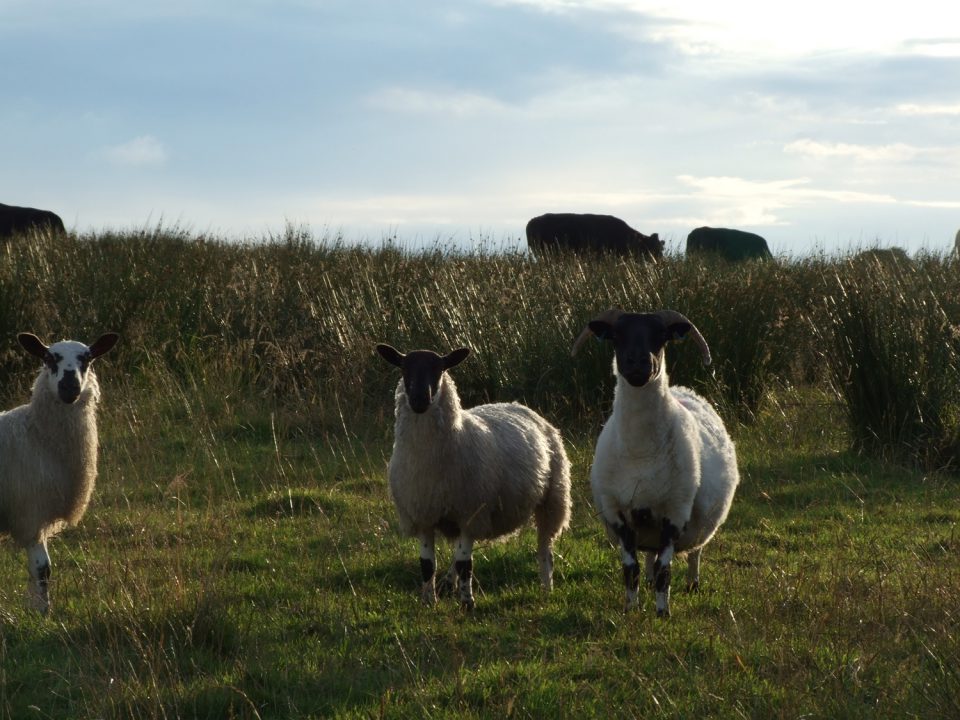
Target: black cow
[729,244]
[16,220]
[589,233]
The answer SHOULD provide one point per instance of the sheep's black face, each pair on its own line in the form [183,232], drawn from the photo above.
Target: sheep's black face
[638,341]
[422,373]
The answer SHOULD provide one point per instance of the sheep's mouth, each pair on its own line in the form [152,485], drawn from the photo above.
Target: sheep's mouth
[637,379]
[419,403]
[68,391]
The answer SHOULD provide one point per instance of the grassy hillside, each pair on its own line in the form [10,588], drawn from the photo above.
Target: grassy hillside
[241,557]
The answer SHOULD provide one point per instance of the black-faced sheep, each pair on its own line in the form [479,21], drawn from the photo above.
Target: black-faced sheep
[476,474]
[48,453]
[665,470]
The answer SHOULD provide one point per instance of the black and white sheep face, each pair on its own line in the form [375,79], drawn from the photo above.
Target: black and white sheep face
[66,363]
[639,340]
[422,372]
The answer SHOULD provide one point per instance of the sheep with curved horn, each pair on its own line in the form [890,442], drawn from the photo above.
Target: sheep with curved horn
[665,469]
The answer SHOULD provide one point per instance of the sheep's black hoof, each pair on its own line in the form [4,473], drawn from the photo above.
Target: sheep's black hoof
[663,613]
[693,587]
[467,604]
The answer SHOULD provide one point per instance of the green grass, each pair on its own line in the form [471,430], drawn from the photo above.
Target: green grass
[241,557]
[273,583]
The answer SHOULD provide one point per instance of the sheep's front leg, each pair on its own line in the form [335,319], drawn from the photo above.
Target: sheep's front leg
[661,567]
[38,563]
[428,568]
[463,563]
[631,568]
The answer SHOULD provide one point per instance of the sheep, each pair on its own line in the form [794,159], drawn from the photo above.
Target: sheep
[665,470]
[48,453]
[476,474]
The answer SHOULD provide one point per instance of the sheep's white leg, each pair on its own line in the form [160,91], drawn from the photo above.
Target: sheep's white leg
[693,570]
[38,563]
[463,562]
[661,567]
[545,559]
[631,568]
[428,568]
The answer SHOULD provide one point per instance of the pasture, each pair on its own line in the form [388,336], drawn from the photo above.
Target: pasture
[241,558]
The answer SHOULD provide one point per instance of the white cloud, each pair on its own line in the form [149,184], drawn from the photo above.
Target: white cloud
[750,29]
[896,152]
[913,109]
[745,202]
[142,151]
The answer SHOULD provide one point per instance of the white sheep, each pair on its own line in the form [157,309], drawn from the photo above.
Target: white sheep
[665,470]
[48,453]
[476,474]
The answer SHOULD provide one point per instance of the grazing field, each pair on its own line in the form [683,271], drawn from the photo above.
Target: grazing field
[241,557]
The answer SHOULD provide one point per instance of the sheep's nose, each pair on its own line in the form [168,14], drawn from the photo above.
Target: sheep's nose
[419,397]
[69,386]
[419,403]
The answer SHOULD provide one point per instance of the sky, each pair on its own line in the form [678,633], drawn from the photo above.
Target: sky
[823,126]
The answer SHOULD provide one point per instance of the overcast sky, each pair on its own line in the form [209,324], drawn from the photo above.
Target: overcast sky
[820,125]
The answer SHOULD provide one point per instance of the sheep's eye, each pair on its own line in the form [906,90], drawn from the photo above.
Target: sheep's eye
[83,361]
[52,360]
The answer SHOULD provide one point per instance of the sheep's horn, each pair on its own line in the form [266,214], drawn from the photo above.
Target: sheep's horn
[672,316]
[610,316]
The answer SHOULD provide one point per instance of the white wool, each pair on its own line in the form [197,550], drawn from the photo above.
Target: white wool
[48,461]
[666,450]
[484,471]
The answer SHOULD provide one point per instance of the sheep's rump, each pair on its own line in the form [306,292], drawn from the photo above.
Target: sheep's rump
[486,479]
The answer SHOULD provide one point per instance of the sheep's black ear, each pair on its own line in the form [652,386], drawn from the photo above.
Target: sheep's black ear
[678,330]
[390,354]
[455,358]
[33,345]
[601,329]
[103,345]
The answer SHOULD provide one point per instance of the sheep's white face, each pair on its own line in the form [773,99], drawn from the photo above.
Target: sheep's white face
[67,363]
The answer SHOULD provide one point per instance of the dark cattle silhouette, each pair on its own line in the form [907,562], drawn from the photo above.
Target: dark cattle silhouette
[15,220]
[589,233]
[729,244]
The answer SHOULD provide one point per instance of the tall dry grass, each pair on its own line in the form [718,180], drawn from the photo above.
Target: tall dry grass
[289,323]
